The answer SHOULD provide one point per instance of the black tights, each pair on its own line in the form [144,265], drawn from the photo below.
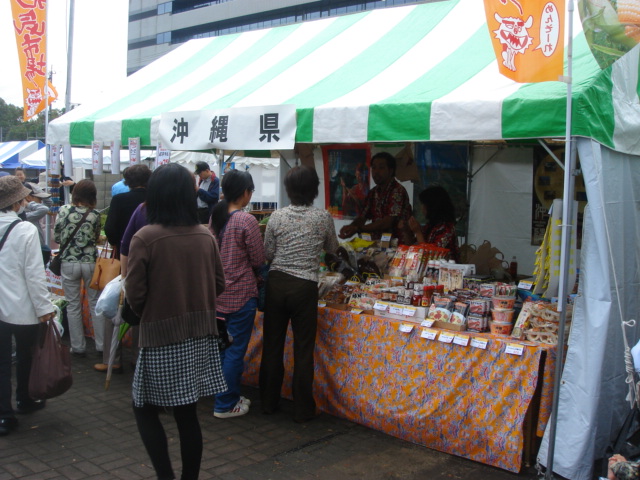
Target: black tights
[155,440]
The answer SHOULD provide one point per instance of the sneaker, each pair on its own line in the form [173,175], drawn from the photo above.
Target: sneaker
[245,401]
[237,411]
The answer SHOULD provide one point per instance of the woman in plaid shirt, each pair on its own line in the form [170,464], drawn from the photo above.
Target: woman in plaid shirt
[242,253]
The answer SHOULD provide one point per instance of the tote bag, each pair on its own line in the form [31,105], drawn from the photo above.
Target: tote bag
[50,366]
[107,268]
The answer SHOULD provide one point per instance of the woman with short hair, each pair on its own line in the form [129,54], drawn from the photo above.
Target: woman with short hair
[79,261]
[294,239]
[242,252]
[173,281]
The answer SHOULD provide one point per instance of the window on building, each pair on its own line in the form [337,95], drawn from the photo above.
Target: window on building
[165,8]
[164,37]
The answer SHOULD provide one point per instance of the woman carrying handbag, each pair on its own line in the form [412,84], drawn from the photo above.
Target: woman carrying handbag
[24,300]
[79,261]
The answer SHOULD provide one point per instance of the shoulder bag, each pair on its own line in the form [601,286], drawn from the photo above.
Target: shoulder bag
[6,233]
[55,265]
[107,268]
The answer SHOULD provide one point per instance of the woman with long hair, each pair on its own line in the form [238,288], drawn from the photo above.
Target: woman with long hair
[440,228]
[173,281]
[294,239]
[79,261]
[242,253]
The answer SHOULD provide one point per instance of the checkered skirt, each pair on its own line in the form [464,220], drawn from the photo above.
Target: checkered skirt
[178,374]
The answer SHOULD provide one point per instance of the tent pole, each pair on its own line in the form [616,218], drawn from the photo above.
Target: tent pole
[567,215]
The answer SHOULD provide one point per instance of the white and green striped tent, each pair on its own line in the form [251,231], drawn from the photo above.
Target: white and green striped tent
[427,72]
[423,72]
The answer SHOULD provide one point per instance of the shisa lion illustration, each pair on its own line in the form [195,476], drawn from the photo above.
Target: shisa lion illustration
[514,37]
[34,98]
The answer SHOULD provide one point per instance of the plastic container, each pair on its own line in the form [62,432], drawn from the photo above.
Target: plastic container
[503,301]
[502,315]
[498,328]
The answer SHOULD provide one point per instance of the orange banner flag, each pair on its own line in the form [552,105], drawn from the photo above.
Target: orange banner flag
[30,25]
[528,38]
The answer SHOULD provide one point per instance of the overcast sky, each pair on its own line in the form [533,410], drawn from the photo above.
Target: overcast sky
[99,49]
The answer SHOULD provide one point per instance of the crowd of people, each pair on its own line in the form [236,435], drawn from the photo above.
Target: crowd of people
[191,260]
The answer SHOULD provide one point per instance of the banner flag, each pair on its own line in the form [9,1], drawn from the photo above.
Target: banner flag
[54,159]
[114,146]
[134,151]
[611,28]
[97,157]
[528,38]
[163,155]
[30,25]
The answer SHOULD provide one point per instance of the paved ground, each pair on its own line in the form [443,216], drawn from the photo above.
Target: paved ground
[90,433]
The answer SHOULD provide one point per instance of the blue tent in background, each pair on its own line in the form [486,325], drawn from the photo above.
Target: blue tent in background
[11,153]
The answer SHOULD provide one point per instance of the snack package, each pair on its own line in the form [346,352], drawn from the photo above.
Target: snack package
[477,323]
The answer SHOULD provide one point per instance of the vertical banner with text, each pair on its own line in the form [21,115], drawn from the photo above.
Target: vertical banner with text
[54,159]
[115,157]
[163,155]
[134,151]
[528,38]
[96,157]
[30,26]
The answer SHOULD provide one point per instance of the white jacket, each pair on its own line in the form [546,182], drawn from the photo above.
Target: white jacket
[23,287]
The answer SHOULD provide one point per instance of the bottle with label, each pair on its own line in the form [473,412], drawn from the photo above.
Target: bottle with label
[513,268]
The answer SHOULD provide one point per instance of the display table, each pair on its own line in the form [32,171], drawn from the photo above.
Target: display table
[462,400]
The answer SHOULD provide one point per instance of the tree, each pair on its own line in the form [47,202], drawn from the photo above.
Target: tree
[12,128]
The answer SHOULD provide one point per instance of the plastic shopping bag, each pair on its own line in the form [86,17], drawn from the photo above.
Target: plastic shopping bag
[109,299]
[50,366]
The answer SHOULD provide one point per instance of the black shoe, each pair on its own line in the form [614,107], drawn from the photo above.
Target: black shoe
[30,406]
[7,424]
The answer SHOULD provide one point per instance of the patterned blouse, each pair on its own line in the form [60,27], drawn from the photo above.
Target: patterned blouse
[295,237]
[443,235]
[392,201]
[241,251]
[82,248]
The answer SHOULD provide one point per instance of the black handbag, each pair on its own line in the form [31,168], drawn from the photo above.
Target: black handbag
[128,315]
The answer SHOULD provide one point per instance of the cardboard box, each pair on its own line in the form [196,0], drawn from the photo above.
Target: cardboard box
[450,326]
[421,312]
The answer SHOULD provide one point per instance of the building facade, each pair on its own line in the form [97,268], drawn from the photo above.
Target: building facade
[158,26]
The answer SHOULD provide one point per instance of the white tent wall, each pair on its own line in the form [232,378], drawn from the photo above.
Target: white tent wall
[593,391]
[501,201]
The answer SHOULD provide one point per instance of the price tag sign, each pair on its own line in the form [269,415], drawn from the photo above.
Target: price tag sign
[525,285]
[406,328]
[409,311]
[395,310]
[446,337]
[479,343]
[385,237]
[322,303]
[366,236]
[382,306]
[427,322]
[429,333]
[514,349]
[357,311]
[461,340]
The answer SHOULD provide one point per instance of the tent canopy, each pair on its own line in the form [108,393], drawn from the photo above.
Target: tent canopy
[12,154]
[422,72]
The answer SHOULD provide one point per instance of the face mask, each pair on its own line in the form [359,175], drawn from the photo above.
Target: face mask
[21,209]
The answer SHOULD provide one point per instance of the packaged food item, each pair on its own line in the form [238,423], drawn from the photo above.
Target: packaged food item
[503,301]
[502,315]
[480,306]
[498,328]
[477,323]
[487,289]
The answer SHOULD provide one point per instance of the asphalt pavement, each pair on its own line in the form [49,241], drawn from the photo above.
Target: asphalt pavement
[90,433]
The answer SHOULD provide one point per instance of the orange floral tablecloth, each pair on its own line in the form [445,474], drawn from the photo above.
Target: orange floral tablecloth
[461,400]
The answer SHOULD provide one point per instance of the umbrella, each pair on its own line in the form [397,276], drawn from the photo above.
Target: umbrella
[116,339]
